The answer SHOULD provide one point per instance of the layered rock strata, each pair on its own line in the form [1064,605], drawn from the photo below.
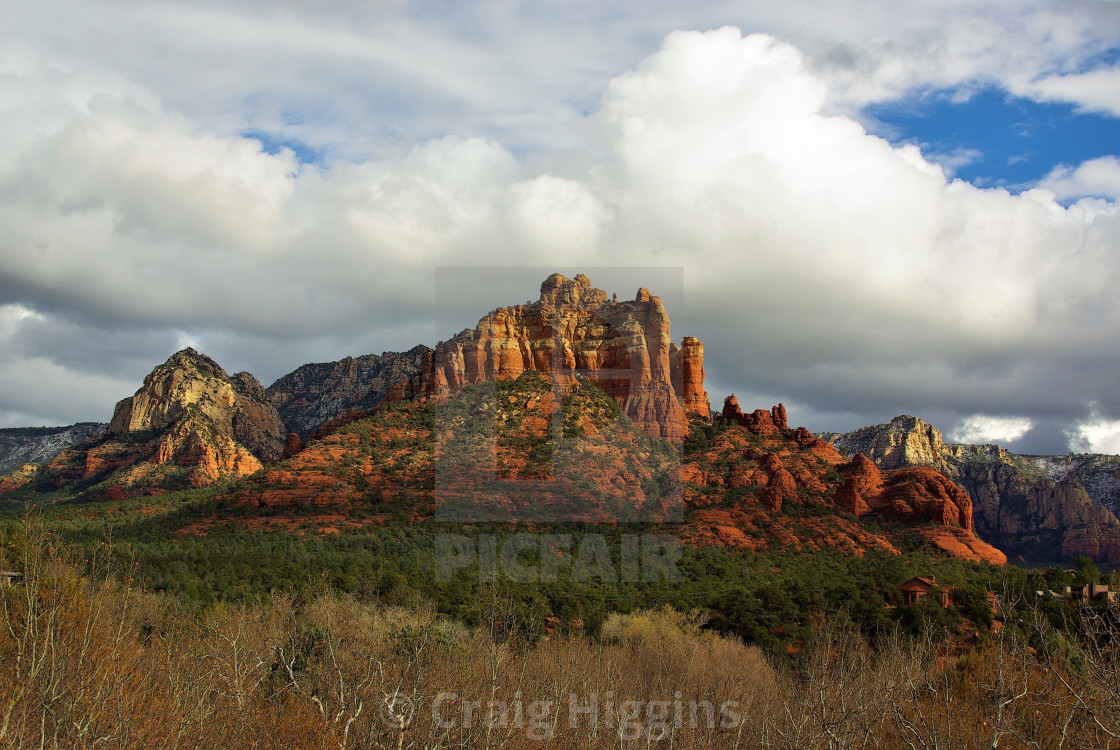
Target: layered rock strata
[572,331]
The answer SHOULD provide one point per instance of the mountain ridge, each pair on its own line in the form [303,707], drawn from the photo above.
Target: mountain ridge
[192,424]
[1019,506]
[40,445]
[318,392]
[189,423]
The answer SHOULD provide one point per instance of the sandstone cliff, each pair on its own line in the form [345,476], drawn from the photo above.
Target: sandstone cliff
[189,419]
[317,393]
[1029,506]
[574,330]
[687,372]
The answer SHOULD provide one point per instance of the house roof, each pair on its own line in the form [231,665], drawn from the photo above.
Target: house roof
[918,583]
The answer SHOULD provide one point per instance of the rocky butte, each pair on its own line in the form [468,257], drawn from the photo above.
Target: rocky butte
[563,368]
[188,416]
[575,330]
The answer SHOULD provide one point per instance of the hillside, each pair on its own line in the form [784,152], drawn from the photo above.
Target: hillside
[513,452]
[316,393]
[39,445]
[572,409]
[1033,507]
[189,424]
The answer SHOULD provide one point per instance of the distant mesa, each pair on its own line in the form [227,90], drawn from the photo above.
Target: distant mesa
[20,446]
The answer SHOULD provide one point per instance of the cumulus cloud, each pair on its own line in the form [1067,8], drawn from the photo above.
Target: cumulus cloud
[1097,90]
[1096,177]
[372,79]
[822,266]
[981,428]
[1096,434]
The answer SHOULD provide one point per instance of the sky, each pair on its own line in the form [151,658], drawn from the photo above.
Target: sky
[863,208]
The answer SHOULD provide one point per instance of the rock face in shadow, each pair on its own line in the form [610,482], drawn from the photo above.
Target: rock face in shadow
[572,331]
[314,394]
[20,446]
[1035,507]
[189,419]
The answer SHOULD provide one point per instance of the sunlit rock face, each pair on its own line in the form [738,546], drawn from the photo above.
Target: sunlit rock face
[757,483]
[572,331]
[189,415]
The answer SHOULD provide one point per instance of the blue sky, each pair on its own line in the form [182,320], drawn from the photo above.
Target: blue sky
[993,138]
[281,182]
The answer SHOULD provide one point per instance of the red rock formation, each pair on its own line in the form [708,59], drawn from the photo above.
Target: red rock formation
[766,468]
[863,475]
[574,330]
[962,544]
[778,416]
[861,478]
[760,421]
[1092,539]
[687,364]
[903,494]
[929,496]
[1015,502]
[780,487]
[293,445]
[731,410]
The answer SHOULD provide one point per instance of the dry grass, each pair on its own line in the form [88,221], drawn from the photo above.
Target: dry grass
[87,661]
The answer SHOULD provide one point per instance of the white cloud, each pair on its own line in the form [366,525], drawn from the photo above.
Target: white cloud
[1097,90]
[955,159]
[820,262]
[1097,434]
[376,78]
[1095,177]
[984,429]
